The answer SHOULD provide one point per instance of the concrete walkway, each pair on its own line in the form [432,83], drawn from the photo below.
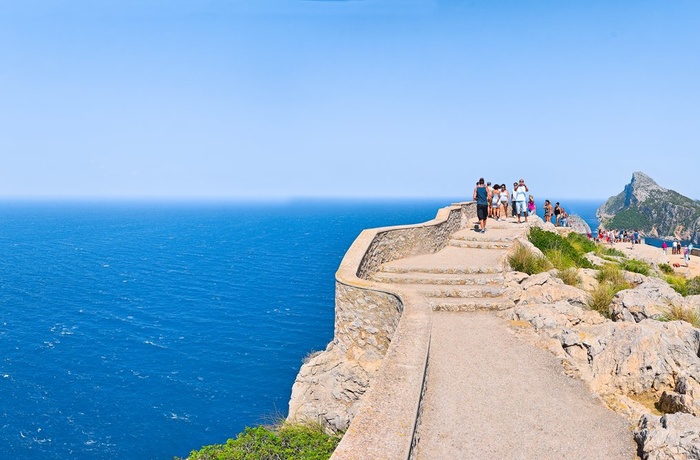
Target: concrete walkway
[488,394]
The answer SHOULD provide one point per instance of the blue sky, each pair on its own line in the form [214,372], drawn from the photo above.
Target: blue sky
[364,98]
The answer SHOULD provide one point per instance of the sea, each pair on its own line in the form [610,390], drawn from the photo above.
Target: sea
[145,330]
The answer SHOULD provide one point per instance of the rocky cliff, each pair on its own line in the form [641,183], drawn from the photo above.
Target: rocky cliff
[653,210]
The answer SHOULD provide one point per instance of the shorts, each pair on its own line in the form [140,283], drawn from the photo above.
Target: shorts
[482,211]
[521,207]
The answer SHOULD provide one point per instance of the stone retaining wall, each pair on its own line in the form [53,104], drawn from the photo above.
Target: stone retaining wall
[377,344]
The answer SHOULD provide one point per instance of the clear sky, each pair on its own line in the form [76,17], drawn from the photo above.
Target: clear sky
[363,98]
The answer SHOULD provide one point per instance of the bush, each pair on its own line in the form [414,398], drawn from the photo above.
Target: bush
[666,269]
[288,441]
[523,260]
[569,276]
[608,251]
[679,283]
[568,251]
[636,266]
[611,274]
[581,243]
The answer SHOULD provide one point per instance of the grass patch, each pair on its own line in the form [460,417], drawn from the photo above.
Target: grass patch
[523,260]
[285,441]
[636,266]
[610,282]
[677,313]
[569,276]
[601,251]
[683,285]
[601,298]
[611,274]
[562,252]
[679,283]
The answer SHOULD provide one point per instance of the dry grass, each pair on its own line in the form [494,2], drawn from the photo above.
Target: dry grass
[523,260]
[601,298]
[678,313]
[569,276]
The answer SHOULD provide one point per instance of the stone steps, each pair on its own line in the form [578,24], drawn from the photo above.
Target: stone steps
[476,279]
[480,244]
[464,292]
[471,305]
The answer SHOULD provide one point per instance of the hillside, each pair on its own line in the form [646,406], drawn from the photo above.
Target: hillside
[653,210]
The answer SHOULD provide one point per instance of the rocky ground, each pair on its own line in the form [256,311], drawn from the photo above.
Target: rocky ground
[641,364]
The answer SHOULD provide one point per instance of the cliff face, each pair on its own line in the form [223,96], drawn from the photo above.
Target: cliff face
[653,210]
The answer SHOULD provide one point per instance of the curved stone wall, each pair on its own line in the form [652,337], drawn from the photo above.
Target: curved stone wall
[380,344]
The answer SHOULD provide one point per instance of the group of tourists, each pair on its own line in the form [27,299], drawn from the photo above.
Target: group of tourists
[493,201]
[678,249]
[561,218]
[619,236]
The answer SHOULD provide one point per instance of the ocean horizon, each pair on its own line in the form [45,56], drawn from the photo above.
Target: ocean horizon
[148,329]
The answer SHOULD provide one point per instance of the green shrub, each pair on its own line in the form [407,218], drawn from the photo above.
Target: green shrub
[559,260]
[666,269]
[608,251]
[523,260]
[568,251]
[611,274]
[636,266]
[288,441]
[569,276]
[679,283]
[581,243]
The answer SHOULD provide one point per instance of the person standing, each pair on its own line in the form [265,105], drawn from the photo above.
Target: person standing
[505,198]
[686,256]
[548,214]
[512,199]
[482,196]
[557,213]
[521,199]
[674,247]
[664,247]
[496,202]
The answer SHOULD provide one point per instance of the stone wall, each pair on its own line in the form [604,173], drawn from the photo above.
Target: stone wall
[331,385]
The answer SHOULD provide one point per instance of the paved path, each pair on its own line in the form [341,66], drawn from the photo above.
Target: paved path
[488,394]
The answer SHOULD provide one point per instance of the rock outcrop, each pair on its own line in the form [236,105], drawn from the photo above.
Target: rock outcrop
[639,366]
[653,210]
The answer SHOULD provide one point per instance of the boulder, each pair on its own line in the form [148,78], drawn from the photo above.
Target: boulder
[671,437]
[653,298]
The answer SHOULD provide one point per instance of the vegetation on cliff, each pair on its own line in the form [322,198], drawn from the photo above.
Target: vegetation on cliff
[287,441]
[655,211]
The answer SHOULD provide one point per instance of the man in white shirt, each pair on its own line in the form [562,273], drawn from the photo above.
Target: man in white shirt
[521,199]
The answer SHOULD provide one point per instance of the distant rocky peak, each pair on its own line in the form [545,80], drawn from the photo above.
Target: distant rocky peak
[639,189]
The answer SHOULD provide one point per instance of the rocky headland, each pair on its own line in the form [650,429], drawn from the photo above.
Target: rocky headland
[653,210]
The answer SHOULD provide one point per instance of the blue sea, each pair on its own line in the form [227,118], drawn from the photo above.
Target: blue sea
[147,330]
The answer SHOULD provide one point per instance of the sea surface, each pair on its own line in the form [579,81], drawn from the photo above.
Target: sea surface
[147,330]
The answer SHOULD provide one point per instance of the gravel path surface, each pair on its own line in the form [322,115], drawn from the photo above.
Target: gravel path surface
[491,396]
